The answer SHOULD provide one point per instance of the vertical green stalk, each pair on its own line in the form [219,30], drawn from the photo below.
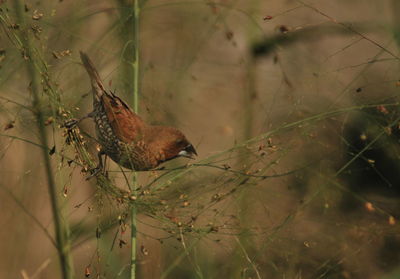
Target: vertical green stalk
[136,14]
[129,35]
[61,228]
[136,11]
[133,231]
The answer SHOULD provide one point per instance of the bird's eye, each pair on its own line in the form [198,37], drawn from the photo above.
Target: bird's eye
[179,141]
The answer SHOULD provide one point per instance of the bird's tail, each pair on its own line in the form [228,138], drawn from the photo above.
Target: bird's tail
[97,84]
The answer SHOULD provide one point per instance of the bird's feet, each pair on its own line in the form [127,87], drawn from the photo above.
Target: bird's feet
[71,123]
[94,172]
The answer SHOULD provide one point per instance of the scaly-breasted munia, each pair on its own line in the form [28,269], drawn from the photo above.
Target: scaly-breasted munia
[125,137]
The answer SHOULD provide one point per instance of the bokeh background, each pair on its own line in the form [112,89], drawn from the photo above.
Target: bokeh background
[293,109]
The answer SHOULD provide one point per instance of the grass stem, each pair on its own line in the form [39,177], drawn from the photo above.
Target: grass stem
[136,73]
[61,228]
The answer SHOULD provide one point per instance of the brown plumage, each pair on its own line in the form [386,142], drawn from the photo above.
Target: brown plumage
[125,137]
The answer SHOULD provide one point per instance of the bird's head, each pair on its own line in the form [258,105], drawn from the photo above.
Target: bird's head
[171,143]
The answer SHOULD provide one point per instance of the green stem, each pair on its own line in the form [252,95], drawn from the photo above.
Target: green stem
[136,61]
[133,233]
[61,229]
[136,14]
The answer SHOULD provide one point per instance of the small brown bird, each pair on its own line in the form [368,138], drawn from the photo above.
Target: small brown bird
[124,136]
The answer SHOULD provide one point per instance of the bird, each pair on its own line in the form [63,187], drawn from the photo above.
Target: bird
[124,136]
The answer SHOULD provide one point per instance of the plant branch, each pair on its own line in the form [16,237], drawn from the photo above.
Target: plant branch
[61,229]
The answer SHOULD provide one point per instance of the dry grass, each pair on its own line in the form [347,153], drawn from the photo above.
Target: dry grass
[293,108]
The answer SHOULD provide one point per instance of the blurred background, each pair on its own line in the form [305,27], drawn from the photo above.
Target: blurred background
[292,107]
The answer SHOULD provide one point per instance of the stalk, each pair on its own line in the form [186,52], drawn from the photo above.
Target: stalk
[61,228]
[129,16]
[136,14]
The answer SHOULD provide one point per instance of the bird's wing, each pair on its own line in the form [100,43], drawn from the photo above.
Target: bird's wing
[126,124]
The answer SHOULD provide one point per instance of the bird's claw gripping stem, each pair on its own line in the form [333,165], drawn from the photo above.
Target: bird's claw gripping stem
[71,123]
[95,172]
[100,166]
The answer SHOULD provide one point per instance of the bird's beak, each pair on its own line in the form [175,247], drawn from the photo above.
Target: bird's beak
[188,152]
